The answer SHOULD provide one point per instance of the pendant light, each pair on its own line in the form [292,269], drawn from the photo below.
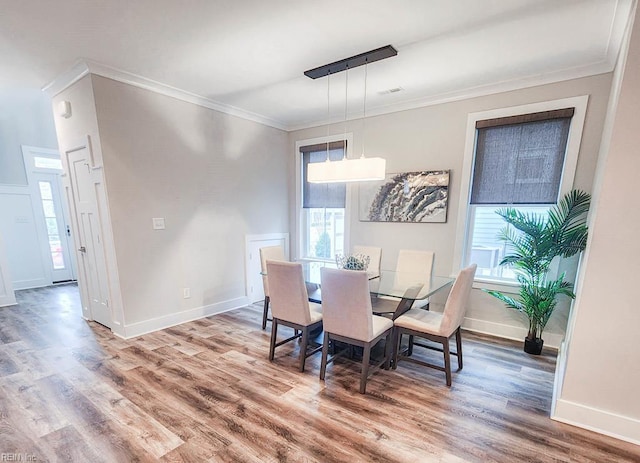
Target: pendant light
[350,170]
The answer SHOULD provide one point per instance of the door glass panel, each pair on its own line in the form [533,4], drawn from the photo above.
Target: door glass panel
[45,190]
[58,260]
[49,210]
[55,246]
[47,163]
[52,226]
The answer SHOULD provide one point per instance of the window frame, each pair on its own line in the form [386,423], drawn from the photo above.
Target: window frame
[463,228]
[299,225]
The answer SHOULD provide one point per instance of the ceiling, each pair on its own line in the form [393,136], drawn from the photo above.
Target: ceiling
[248,56]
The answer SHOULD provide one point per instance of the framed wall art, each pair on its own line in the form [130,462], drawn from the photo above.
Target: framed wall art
[418,197]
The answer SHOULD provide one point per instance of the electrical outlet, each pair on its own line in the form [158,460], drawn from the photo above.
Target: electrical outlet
[186,292]
[158,223]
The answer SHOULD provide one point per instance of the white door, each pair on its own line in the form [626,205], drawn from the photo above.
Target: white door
[255,290]
[58,229]
[90,250]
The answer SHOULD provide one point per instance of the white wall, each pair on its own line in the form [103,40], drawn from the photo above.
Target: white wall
[25,119]
[433,138]
[213,177]
[72,133]
[602,378]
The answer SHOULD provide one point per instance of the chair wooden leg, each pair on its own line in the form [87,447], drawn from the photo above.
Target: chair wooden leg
[410,349]
[303,346]
[459,347]
[325,352]
[447,360]
[274,332]
[396,347]
[366,353]
[388,349]
[265,312]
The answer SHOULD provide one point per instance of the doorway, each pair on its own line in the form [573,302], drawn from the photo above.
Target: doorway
[84,182]
[44,173]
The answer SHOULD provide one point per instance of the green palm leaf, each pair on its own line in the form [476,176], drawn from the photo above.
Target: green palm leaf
[533,241]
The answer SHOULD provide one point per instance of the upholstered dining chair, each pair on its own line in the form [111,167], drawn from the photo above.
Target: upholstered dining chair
[348,318]
[415,262]
[411,263]
[290,306]
[437,327]
[375,256]
[268,253]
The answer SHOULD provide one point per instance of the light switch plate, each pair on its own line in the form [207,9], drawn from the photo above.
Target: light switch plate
[158,223]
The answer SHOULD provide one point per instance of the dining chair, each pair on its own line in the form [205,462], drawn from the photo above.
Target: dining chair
[348,318]
[437,327]
[415,262]
[290,306]
[268,253]
[375,256]
[411,262]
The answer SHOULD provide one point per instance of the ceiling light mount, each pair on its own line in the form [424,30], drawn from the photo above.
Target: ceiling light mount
[349,63]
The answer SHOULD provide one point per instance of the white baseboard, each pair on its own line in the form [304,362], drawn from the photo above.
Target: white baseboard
[501,330]
[166,321]
[610,424]
[19,285]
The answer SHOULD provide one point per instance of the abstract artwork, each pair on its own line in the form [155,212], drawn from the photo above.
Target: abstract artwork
[406,197]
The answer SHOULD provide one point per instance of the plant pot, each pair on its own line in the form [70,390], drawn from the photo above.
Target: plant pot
[533,346]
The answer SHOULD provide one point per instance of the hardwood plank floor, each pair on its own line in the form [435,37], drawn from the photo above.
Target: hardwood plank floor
[205,391]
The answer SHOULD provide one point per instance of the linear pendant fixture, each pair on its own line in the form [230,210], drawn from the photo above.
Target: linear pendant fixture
[349,170]
[349,63]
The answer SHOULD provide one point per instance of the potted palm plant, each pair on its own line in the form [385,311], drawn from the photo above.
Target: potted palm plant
[534,240]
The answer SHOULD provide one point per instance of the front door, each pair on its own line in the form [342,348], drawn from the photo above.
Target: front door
[90,251]
[58,230]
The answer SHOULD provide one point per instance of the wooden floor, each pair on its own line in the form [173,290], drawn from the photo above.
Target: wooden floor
[205,391]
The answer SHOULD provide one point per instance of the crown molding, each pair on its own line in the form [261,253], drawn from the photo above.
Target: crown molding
[84,67]
[601,67]
[66,79]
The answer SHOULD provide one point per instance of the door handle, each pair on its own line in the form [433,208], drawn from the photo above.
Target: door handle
[68,231]
[82,249]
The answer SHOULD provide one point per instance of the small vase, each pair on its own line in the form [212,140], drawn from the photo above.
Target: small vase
[533,346]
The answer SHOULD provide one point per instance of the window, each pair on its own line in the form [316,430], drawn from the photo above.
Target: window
[515,159]
[322,216]
[42,162]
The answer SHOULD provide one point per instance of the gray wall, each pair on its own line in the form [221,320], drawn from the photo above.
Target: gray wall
[213,177]
[433,138]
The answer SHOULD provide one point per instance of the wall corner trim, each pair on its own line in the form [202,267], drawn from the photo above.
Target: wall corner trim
[67,78]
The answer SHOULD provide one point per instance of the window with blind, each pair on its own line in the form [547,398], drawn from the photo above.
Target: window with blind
[518,162]
[323,206]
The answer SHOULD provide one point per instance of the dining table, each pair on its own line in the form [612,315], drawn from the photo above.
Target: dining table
[392,293]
